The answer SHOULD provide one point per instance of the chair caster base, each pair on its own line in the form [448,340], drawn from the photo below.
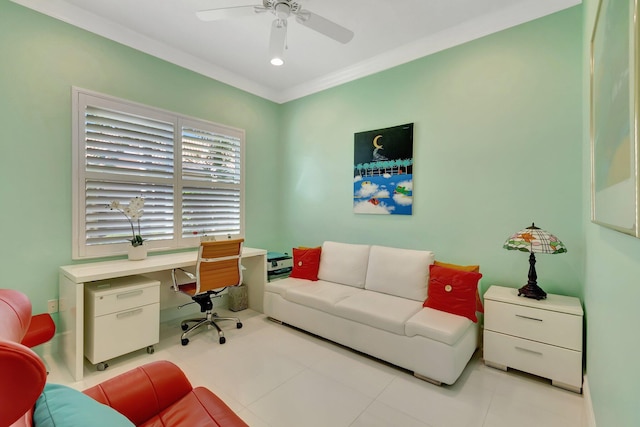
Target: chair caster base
[239,325]
[222,340]
[184,341]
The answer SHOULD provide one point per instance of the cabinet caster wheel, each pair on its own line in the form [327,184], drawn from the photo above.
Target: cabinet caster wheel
[223,340]
[239,325]
[102,366]
[184,341]
[150,350]
[184,327]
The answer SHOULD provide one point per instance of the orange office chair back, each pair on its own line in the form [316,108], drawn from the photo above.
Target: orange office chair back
[219,265]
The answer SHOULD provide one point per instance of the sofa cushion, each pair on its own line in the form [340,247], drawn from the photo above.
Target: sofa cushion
[400,272]
[344,263]
[306,263]
[473,268]
[379,310]
[437,325]
[453,291]
[281,286]
[59,405]
[320,295]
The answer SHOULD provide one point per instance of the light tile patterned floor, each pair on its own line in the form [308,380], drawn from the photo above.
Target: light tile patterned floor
[276,376]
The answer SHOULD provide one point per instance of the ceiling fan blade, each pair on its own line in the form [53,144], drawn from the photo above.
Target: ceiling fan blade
[277,41]
[324,26]
[228,12]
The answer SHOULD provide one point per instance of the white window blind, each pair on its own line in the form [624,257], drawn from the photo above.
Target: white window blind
[188,171]
[211,175]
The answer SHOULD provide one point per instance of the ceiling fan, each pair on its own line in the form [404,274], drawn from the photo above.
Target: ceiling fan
[282,10]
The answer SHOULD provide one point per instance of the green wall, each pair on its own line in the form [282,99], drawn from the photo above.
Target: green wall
[497,144]
[611,293]
[501,139]
[42,58]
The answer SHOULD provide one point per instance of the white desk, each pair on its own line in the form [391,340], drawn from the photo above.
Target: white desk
[73,277]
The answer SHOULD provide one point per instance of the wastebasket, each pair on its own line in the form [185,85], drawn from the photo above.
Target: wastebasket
[238,299]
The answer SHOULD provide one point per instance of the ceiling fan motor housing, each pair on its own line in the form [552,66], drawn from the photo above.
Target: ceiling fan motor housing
[282,8]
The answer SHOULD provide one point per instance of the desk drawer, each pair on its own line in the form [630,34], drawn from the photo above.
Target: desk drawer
[119,333]
[111,296]
[545,326]
[558,364]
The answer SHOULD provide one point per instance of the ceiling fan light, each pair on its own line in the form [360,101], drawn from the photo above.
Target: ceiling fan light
[277,42]
[277,61]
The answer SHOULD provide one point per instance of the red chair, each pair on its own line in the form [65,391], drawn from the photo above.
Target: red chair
[155,394]
[40,331]
[22,373]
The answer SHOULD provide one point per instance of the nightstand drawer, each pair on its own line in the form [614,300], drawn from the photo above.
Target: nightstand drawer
[545,326]
[559,364]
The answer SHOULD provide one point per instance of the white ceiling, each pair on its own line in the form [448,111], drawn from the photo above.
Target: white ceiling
[387,33]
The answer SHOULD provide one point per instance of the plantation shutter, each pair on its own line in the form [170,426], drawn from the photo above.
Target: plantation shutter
[189,173]
[211,177]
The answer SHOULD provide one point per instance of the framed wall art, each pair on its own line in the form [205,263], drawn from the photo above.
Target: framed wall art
[383,171]
[614,117]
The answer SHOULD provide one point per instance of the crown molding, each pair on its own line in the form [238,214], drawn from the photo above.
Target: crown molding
[454,36]
[517,14]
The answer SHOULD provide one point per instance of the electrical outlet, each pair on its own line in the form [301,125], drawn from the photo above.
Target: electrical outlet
[52,305]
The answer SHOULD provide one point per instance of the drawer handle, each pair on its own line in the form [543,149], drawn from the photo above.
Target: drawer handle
[129,313]
[129,294]
[529,351]
[528,318]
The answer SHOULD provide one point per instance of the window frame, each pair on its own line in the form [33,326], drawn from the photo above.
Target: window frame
[81,98]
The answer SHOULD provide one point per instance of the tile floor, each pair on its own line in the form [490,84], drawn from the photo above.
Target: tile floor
[276,376]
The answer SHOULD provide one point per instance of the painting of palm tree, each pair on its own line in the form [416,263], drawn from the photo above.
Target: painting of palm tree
[383,171]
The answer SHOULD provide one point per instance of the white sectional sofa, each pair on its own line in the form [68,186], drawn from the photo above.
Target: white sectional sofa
[370,298]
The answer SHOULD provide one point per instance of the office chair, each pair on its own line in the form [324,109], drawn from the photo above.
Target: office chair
[218,267]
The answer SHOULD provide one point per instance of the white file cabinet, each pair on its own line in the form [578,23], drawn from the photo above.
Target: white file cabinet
[121,315]
[543,337]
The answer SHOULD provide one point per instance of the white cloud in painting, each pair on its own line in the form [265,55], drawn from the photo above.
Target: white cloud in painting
[357,178]
[403,200]
[366,207]
[367,189]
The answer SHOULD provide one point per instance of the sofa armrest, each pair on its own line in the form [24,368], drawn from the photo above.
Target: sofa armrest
[143,392]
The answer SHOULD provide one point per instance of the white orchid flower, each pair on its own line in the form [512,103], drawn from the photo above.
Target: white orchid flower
[133,212]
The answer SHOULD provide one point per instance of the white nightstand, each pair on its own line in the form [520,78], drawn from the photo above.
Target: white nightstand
[540,337]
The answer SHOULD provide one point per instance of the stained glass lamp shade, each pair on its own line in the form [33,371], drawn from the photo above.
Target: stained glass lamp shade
[534,240]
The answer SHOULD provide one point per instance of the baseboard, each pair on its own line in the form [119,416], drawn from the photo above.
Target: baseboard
[589,415]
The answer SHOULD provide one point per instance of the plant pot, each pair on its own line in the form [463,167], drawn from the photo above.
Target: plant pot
[137,253]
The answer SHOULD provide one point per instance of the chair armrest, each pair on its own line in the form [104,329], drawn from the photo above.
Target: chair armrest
[23,379]
[143,392]
[174,277]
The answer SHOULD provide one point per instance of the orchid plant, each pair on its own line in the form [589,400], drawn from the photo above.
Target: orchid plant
[133,212]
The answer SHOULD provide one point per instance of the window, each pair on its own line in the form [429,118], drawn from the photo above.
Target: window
[188,171]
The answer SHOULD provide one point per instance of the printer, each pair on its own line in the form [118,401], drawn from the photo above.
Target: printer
[279,265]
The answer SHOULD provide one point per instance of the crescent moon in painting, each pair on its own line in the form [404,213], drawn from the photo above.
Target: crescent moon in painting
[375,141]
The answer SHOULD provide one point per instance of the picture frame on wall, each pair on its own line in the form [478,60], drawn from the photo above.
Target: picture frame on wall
[614,117]
[383,171]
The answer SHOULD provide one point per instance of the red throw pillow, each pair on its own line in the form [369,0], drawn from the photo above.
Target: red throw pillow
[306,263]
[475,269]
[453,291]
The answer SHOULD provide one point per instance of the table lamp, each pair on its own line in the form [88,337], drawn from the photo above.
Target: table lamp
[533,239]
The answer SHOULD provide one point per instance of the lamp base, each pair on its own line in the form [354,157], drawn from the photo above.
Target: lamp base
[532,291]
